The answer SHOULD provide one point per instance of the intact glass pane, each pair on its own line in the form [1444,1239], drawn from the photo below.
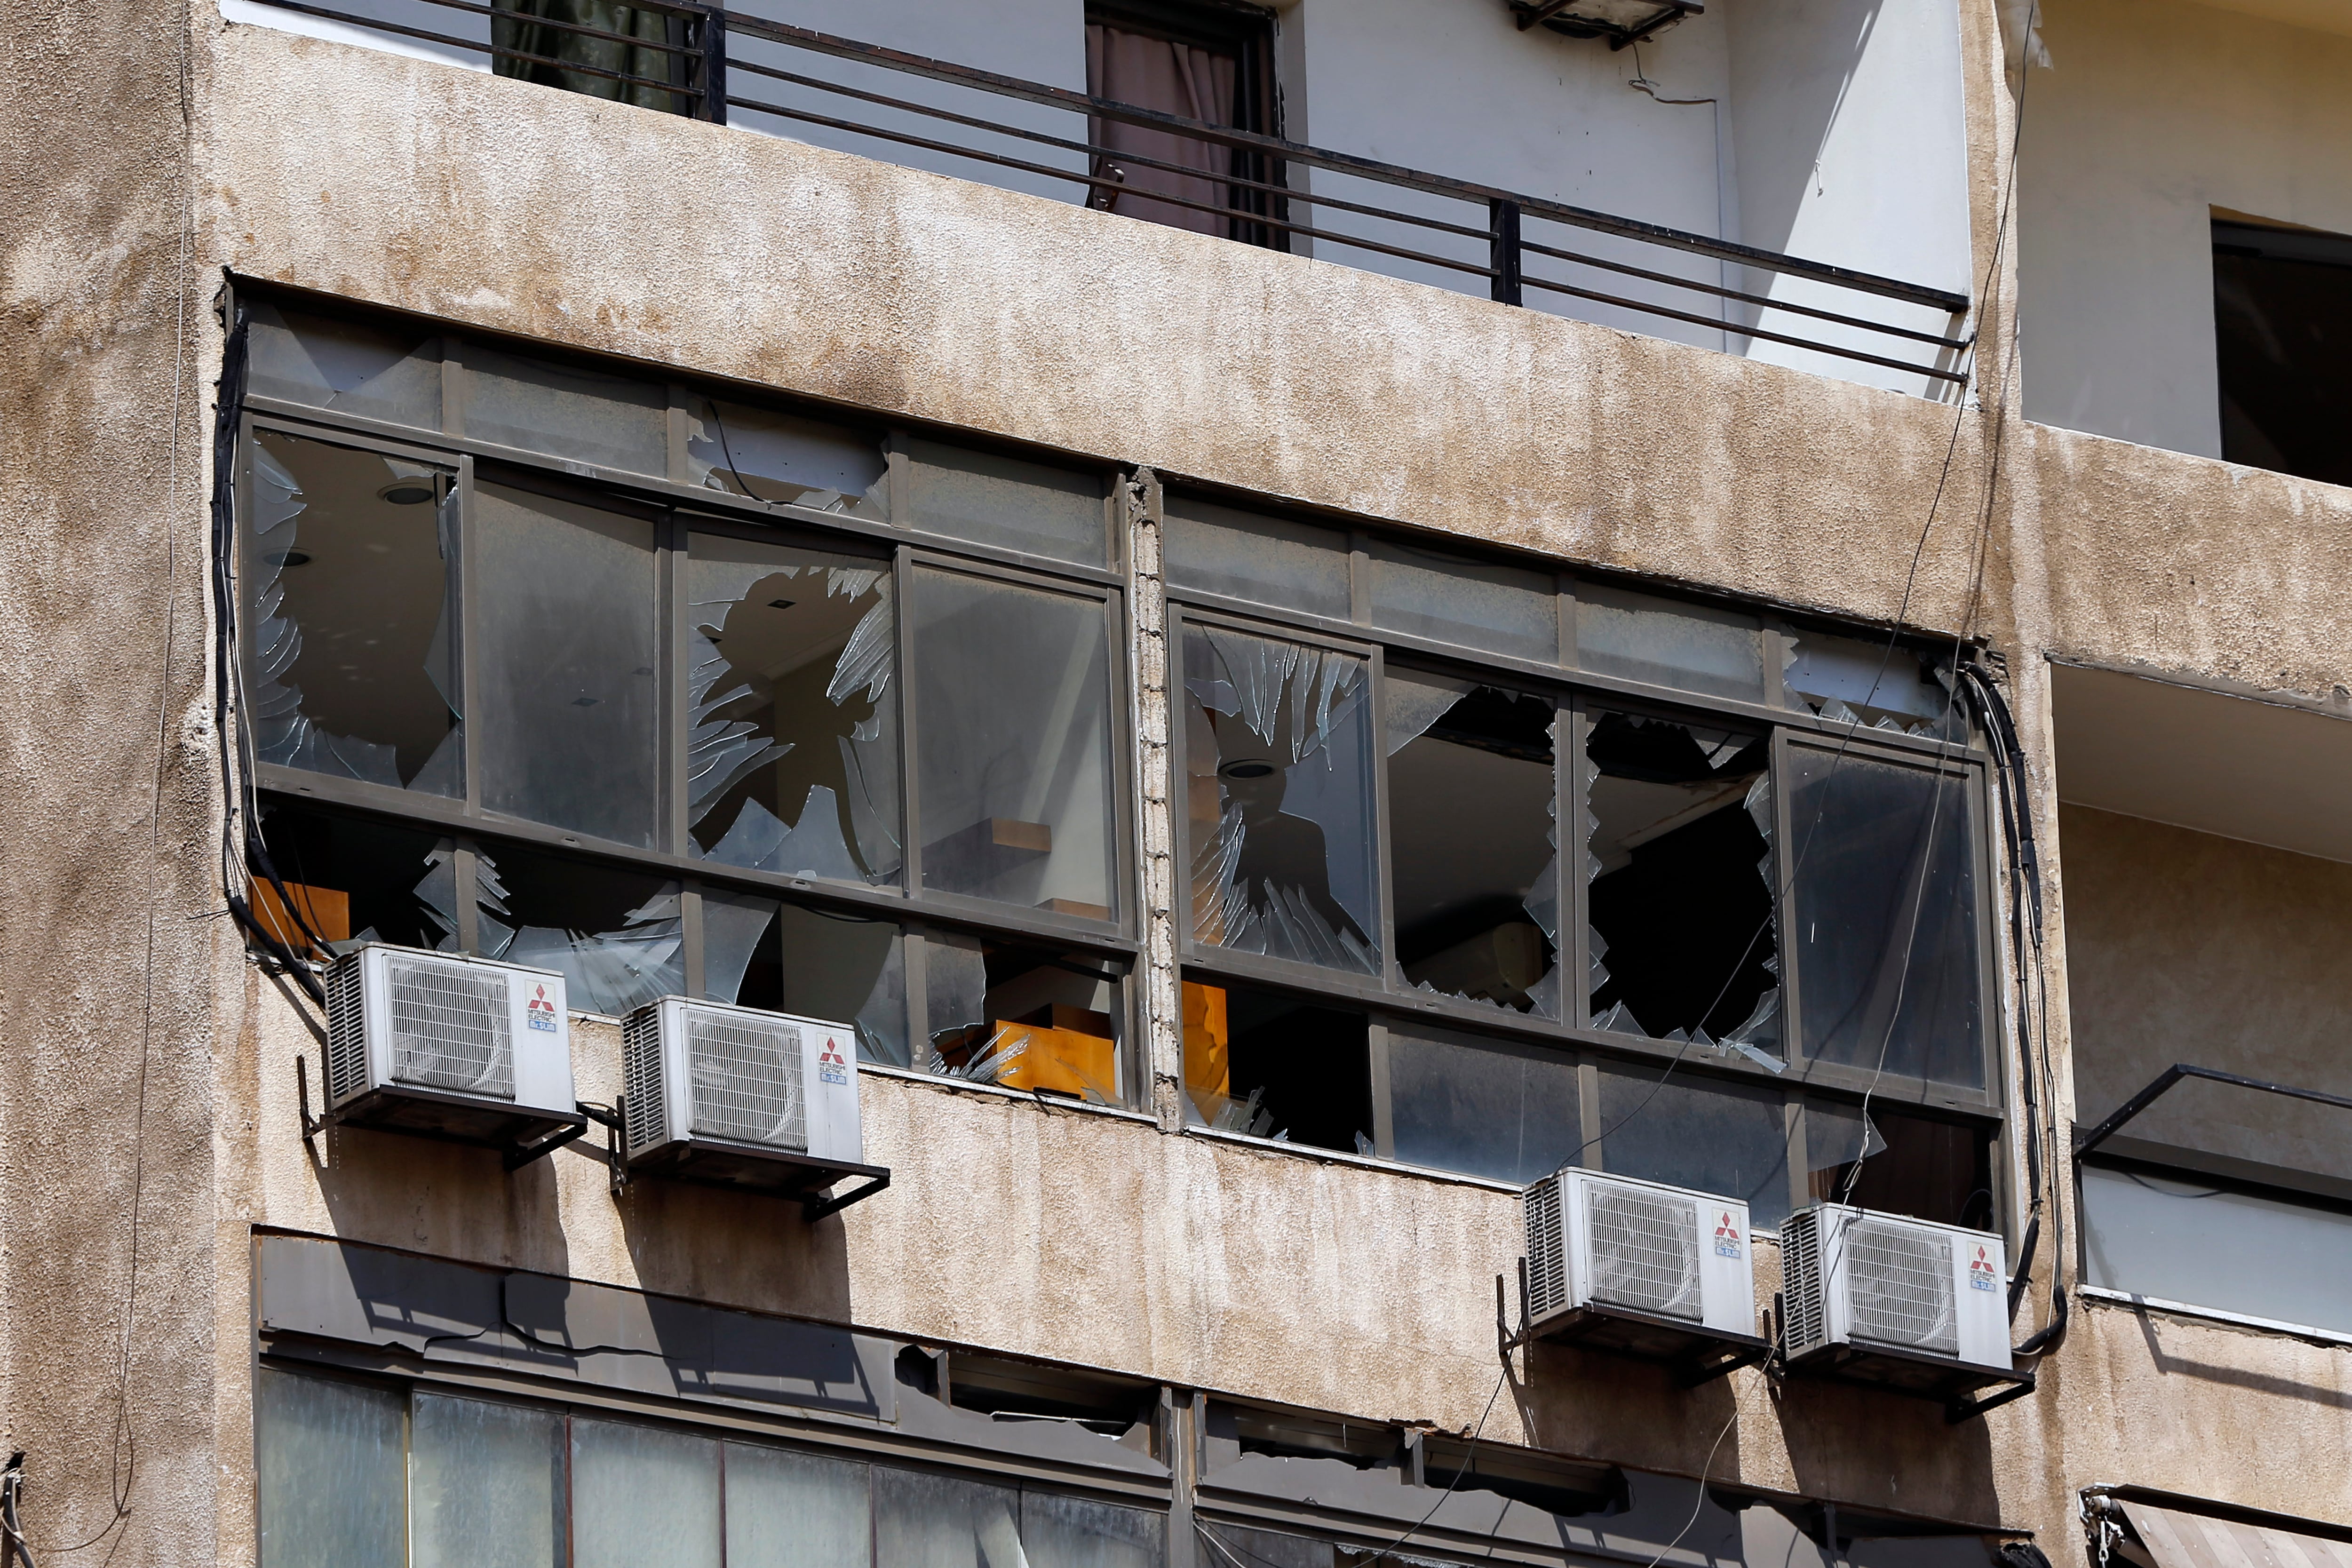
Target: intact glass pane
[1691,1131]
[768,454]
[1477,891]
[1069,1532]
[617,937]
[1013,744]
[1005,502]
[353,367]
[566,410]
[351,610]
[810,963]
[1278,790]
[930,1522]
[1500,1111]
[792,760]
[1269,560]
[795,1510]
[566,670]
[1477,604]
[484,1485]
[331,1472]
[2181,1237]
[643,1498]
[1885,938]
[1697,647]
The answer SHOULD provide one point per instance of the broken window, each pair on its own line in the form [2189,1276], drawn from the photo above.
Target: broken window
[1694,647]
[355,879]
[809,961]
[617,937]
[2283,324]
[1024,1017]
[376,372]
[1881,685]
[542,406]
[1276,1066]
[1509,1111]
[771,455]
[351,609]
[1014,744]
[566,663]
[792,760]
[1477,891]
[1689,1131]
[999,500]
[1682,946]
[1477,604]
[1881,1158]
[1886,923]
[1272,560]
[1279,799]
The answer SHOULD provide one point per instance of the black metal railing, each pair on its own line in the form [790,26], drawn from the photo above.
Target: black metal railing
[1440,227]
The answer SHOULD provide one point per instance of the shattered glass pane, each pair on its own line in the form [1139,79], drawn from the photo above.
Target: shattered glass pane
[1243,555]
[1682,945]
[567,410]
[1278,749]
[1939,1171]
[1005,502]
[1288,1070]
[565,664]
[1859,682]
[1697,647]
[1507,1113]
[810,963]
[618,938]
[1024,1017]
[1476,603]
[792,709]
[358,879]
[351,367]
[775,457]
[1691,1131]
[1477,891]
[1886,917]
[350,608]
[1014,744]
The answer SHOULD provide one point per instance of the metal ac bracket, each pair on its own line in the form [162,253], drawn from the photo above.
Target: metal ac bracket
[311,1125]
[609,1117]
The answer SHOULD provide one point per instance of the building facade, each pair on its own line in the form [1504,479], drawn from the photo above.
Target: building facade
[1289,621]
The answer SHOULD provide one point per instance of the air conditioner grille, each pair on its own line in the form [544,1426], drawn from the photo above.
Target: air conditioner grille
[1804,1326]
[1644,1248]
[449,1028]
[747,1080]
[1547,1260]
[645,1106]
[1899,1286]
[346,1028]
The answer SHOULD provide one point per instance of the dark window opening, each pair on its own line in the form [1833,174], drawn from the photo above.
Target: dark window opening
[353,878]
[1680,894]
[1278,1067]
[1930,1170]
[2282,330]
[1203,61]
[1024,1017]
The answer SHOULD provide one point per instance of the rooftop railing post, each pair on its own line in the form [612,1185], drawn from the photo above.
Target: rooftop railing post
[1503,238]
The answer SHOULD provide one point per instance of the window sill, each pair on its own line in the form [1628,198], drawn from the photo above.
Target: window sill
[1361,1162]
[2134,1302]
[1049,1101]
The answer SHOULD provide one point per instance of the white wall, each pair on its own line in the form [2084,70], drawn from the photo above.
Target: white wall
[2153,113]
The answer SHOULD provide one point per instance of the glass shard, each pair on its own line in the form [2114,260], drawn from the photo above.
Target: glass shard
[771,455]
[349,602]
[1869,683]
[1278,749]
[618,938]
[1477,897]
[792,715]
[1285,1069]
[351,367]
[1025,1017]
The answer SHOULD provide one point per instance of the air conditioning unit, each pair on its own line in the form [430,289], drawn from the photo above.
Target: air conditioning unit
[450,1047]
[1637,1266]
[1913,1306]
[741,1098]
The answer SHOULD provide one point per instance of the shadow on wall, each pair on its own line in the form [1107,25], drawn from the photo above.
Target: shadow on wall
[1794,68]
[1860,1445]
[2167,1363]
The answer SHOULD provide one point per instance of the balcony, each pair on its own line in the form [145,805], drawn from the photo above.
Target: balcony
[1697,156]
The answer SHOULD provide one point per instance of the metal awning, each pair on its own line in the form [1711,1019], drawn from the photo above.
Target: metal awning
[2188,1534]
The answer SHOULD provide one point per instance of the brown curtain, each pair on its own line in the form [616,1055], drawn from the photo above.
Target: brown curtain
[521,31]
[1175,79]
